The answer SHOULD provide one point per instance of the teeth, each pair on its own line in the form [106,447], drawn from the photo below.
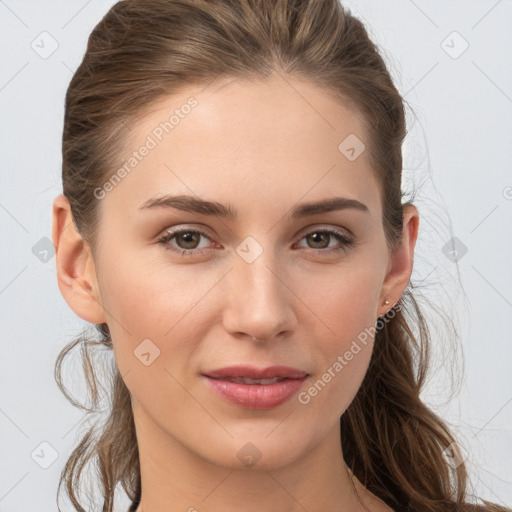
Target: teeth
[245,380]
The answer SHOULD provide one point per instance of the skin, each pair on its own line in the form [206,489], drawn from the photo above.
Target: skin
[261,148]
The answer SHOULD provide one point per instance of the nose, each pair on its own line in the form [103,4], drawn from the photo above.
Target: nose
[259,304]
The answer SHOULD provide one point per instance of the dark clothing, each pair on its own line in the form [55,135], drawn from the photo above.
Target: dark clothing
[468,508]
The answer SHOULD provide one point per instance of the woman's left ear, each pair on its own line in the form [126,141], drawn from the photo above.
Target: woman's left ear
[401,261]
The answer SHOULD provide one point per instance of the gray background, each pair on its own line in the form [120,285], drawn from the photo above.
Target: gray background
[457,154]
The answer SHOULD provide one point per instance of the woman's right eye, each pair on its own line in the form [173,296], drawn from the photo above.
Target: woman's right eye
[185,237]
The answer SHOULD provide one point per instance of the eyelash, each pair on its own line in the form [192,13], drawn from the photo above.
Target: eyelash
[346,241]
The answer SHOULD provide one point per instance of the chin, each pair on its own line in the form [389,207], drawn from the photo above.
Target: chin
[257,453]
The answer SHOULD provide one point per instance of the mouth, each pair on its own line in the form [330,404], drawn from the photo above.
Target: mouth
[256,374]
[247,380]
[253,388]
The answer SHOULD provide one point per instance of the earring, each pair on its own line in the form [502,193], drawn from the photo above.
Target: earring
[386,302]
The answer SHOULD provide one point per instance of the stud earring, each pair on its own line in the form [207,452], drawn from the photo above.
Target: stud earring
[386,302]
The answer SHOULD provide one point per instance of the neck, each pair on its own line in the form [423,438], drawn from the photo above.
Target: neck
[175,479]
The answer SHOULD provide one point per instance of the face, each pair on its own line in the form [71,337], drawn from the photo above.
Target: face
[184,291]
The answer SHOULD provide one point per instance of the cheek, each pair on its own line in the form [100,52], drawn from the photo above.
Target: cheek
[345,310]
[151,302]
[344,301]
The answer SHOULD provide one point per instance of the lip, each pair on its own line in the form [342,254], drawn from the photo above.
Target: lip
[256,396]
[252,372]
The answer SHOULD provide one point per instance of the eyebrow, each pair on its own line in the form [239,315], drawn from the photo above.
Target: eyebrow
[213,208]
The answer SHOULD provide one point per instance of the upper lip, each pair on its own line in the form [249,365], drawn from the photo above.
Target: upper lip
[252,372]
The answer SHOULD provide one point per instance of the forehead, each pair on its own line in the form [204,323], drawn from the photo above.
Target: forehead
[264,142]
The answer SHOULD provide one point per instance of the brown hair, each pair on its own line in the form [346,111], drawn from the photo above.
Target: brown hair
[143,50]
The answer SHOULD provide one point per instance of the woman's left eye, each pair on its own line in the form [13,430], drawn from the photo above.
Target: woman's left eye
[317,236]
[188,239]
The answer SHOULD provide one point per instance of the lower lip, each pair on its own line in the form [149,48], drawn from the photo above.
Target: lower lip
[256,396]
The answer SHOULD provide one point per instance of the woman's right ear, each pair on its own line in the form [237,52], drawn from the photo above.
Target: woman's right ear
[76,273]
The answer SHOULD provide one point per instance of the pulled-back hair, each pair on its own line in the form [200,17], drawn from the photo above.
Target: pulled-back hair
[144,50]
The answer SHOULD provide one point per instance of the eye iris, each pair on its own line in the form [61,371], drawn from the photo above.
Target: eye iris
[187,236]
[314,237]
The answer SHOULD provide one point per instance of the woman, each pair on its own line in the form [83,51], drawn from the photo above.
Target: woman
[232,223]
